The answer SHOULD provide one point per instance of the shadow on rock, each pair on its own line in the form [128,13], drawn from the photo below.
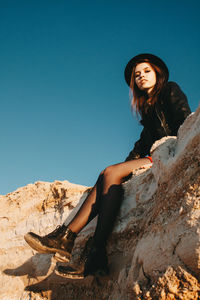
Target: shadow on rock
[55,287]
[37,265]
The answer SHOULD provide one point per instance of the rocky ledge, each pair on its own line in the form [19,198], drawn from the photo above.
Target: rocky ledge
[154,250]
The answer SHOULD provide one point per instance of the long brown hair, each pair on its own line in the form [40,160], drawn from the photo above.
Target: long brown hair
[139,97]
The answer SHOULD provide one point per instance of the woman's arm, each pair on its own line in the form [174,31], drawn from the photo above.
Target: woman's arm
[178,107]
[141,147]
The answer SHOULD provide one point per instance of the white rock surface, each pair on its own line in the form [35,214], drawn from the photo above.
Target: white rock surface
[154,250]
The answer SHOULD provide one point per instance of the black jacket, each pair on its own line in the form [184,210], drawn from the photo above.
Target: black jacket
[162,119]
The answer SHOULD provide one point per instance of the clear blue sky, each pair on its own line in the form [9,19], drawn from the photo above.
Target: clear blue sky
[65,110]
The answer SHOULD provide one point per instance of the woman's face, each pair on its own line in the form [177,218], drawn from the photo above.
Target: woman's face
[145,77]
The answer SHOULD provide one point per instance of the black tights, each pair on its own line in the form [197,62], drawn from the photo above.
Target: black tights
[105,200]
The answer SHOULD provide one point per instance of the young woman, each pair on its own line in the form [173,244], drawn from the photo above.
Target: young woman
[163,107]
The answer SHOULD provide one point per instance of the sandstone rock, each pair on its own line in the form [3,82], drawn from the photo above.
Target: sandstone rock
[154,250]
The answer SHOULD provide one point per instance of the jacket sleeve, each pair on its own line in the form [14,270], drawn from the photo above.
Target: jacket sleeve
[179,107]
[141,147]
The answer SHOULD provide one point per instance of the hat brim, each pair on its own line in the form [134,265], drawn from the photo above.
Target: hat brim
[141,57]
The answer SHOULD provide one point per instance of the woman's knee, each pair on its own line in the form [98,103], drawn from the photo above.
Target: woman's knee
[109,173]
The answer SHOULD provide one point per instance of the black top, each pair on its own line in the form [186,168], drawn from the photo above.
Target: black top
[162,119]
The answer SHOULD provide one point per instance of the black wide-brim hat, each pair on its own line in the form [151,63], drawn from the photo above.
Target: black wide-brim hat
[141,58]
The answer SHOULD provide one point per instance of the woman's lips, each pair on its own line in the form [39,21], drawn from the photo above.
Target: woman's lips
[143,81]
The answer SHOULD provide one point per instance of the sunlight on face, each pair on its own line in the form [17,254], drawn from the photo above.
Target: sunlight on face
[145,77]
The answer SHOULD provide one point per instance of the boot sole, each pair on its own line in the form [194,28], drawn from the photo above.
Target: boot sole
[98,273]
[61,258]
[39,247]
[70,276]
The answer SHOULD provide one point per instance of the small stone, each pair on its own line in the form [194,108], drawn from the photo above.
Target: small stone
[136,289]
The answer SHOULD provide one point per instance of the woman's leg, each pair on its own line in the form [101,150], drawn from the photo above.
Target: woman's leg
[105,198]
[112,196]
[88,209]
[61,240]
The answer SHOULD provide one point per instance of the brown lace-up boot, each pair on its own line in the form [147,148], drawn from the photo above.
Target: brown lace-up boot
[93,261]
[60,241]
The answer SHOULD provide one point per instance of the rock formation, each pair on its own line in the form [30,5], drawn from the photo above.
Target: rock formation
[154,250]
